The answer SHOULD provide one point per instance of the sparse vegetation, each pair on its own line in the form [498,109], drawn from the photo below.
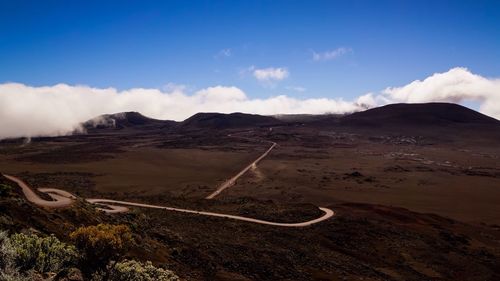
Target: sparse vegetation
[132,270]
[43,254]
[33,257]
[23,255]
[100,245]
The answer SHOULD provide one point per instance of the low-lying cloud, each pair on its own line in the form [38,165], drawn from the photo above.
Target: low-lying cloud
[27,111]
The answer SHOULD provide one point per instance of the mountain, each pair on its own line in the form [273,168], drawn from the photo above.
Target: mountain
[424,114]
[304,118]
[124,120]
[402,118]
[227,121]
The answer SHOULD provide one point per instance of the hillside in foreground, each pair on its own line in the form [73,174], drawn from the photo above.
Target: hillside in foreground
[368,241]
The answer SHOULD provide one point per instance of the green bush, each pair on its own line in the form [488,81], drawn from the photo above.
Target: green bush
[31,257]
[7,253]
[43,254]
[132,270]
[22,255]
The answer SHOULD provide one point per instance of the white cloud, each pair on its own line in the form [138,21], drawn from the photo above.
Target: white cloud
[221,94]
[296,88]
[270,74]
[224,53]
[330,55]
[27,111]
[366,101]
[458,85]
[174,87]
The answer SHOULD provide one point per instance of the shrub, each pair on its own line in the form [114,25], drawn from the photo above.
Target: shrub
[21,255]
[100,244]
[136,271]
[7,253]
[12,274]
[43,254]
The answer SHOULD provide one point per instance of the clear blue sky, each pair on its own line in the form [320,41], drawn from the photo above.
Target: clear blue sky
[127,44]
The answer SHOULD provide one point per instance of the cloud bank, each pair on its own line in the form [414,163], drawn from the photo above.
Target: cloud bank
[458,85]
[27,111]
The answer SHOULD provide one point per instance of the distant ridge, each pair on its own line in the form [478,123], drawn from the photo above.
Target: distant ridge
[124,120]
[397,117]
[305,118]
[422,114]
[226,121]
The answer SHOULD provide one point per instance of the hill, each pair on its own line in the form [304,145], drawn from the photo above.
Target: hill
[305,118]
[228,121]
[126,120]
[424,114]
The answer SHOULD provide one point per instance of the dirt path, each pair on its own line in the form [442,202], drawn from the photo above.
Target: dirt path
[230,182]
[106,202]
[63,198]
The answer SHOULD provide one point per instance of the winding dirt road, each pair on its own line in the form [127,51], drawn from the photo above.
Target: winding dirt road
[63,198]
[60,198]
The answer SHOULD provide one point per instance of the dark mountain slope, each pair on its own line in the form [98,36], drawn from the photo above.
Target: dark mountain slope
[437,121]
[228,121]
[126,120]
[425,114]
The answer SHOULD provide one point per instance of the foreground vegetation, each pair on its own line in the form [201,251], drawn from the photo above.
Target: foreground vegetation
[96,255]
[363,241]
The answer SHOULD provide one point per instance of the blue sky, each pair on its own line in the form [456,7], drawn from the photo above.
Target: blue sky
[128,44]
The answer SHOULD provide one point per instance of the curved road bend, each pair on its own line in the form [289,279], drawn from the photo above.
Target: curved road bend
[63,199]
[60,197]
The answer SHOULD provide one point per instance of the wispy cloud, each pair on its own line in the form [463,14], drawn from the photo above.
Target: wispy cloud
[271,74]
[296,88]
[174,87]
[330,55]
[224,53]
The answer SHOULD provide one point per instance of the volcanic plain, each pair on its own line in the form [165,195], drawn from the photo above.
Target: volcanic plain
[415,190]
